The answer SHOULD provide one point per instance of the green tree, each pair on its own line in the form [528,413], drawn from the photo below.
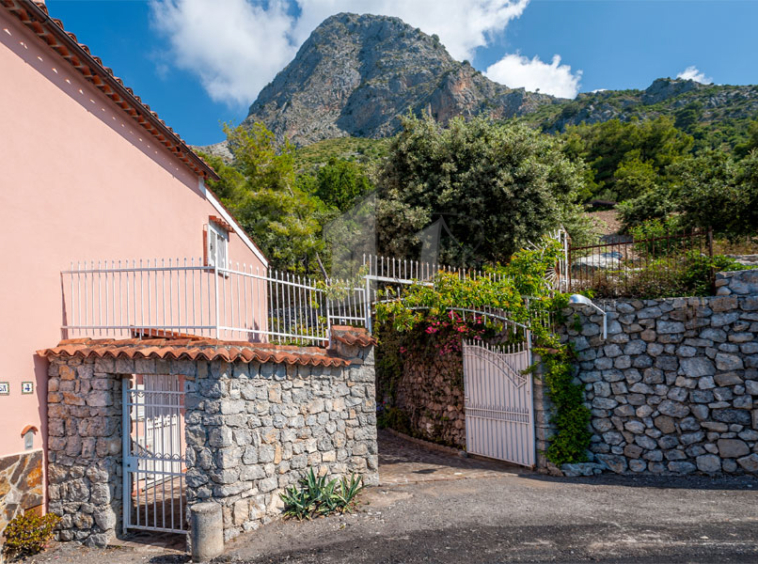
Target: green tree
[261,191]
[634,178]
[751,144]
[605,146]
[496,186]
[708,192]
[747,208]
[340,183]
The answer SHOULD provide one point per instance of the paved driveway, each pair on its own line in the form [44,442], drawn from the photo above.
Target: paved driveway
[439,508]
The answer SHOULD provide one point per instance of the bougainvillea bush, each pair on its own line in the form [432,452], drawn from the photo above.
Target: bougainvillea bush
[428,315]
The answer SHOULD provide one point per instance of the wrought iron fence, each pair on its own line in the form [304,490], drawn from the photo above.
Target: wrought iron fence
[651,267]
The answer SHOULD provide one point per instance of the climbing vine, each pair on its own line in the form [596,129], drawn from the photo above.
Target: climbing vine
[428,316]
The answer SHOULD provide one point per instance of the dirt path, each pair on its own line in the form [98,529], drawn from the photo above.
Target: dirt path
[467,510]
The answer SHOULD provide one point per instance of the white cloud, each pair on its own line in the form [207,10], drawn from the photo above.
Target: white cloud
[236,47]
[517,71]
[461,25]
[692,73]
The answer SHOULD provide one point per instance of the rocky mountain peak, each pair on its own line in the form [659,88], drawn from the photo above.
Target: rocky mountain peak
[665,88]
[357,74]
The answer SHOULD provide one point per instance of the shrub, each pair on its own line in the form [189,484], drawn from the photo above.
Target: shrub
[29,533]
[317,497]
[686,274]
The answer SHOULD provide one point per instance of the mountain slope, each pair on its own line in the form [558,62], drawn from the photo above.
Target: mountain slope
[714,114]
[357,74]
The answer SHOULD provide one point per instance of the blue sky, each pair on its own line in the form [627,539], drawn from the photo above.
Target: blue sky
[200,63]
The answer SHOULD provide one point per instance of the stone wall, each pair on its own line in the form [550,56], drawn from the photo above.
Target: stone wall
[674,387]
[739,283]
[84,447]
[255,429]
[430,393]
[252,428]
[20,485]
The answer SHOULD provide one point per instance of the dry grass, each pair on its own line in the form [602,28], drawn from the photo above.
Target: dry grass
[607,221]
[746,246]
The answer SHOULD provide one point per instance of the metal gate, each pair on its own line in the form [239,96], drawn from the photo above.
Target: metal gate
[498,402]
[154,463]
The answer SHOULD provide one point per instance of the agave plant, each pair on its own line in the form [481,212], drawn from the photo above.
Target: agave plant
[297,503]
[348,490]
[319,497]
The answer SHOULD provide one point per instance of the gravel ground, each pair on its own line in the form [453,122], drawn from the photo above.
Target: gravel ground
[487,513]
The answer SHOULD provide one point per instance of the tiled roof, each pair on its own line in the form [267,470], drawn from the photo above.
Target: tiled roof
[35,17]
[192,348]
[352,336]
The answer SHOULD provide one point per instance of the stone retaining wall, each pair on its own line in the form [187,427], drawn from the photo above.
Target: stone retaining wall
[251,430]
[255,429]
[741,283]
[674,388]
[430,393]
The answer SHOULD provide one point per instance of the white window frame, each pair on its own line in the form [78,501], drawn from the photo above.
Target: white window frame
[218,246]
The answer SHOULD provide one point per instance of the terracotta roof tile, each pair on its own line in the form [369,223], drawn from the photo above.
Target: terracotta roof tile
[36,17]
[352,336]
[192,349]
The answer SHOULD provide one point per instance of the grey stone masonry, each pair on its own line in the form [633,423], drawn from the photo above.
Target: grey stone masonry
[674,388]
[84,449]
[253,430]
[740,282]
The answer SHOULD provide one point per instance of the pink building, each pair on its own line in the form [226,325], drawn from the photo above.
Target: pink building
[90,173]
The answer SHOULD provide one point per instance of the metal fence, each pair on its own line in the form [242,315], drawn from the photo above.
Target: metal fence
[127,298]
[122,299]
[651,267]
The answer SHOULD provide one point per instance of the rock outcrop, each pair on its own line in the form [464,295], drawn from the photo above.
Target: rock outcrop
[358,74]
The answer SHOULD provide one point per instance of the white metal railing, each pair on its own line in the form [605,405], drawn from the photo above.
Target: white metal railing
[138,297]
[141,297]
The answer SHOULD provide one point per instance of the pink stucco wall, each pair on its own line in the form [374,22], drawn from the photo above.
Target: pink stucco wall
[80,181]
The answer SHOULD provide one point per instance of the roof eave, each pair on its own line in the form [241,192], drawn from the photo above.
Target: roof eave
[96,73]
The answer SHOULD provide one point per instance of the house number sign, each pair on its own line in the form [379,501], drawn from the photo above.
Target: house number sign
[5,388]
[27,387]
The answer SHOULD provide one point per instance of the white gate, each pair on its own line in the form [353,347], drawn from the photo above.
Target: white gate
[154,463]
[498,402]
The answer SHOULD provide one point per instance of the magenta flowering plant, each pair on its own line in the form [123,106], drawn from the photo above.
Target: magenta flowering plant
[447,308]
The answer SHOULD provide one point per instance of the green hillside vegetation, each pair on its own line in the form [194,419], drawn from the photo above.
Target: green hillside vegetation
[487,187]
[716,116]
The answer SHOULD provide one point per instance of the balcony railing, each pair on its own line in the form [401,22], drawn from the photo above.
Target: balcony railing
[126,298]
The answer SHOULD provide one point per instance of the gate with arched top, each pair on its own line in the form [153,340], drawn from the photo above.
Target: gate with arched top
[499,403]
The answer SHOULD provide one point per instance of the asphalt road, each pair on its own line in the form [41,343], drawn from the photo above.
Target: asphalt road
[526,519]
[435,507]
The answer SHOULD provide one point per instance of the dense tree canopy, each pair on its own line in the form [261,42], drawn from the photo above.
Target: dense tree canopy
[638,148]
[475,191]
[495,186]
[261,191]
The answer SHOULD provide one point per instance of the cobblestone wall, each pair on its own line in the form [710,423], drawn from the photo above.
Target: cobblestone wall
[253,430]
[84,448]
[674,387]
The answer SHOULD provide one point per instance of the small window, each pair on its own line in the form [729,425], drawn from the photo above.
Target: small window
[218,245]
